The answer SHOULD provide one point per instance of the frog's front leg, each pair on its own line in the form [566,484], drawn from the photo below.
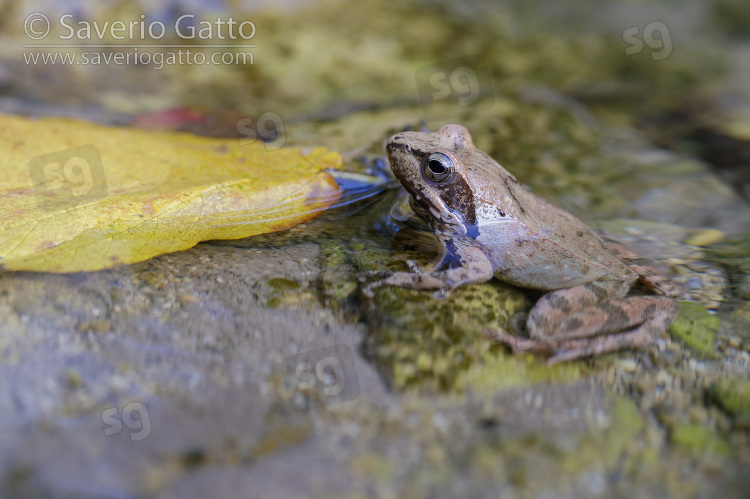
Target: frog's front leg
[469,264]
[592,319]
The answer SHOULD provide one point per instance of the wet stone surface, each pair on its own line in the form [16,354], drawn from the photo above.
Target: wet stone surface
[172,382]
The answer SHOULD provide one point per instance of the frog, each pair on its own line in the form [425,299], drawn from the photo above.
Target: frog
[488,225]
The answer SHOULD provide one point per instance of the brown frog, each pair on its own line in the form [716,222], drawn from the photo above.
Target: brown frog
[489,225]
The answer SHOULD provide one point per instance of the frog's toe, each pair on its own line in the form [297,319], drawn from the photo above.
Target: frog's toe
[517,344]
[413,267]
[366,274]
[568,354]
[368,290]
[643,335]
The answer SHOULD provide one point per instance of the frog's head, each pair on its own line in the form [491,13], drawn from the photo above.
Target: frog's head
[436,169]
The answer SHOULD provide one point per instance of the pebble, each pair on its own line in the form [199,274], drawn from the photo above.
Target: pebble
[628,365]
[705,237]
[697,414]
[734,341]
[663,377]
[705,283]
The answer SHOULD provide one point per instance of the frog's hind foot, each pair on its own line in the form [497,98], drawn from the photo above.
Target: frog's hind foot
[572,349]
[658,314]
[518,344]
[596,318]
[643,335]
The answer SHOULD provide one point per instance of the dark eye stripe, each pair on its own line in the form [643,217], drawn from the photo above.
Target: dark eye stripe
[458,197]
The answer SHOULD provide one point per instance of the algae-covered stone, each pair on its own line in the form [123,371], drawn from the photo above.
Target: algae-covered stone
[705,237]
[699,439]
[422,340]
[734,396]
[696,328]
[626,423]
[737,323]
[419,339]
[570,426]
[497,369]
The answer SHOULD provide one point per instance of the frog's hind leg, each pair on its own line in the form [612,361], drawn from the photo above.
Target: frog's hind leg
[572,349]
[648,277]
[592,319]
[644,334]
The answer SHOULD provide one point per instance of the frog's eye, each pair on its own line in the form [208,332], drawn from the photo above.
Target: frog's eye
[438,167]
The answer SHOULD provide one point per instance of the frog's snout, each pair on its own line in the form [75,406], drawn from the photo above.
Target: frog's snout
[389,152]
[392,147]
[394,143]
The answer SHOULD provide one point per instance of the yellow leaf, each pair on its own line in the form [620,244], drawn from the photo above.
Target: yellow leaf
[78,196]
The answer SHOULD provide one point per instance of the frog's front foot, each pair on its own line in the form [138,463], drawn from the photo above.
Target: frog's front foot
[368,289]
[475,268]
[415,280]
[388,277]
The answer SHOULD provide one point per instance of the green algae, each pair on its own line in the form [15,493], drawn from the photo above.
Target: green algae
[608,446]
[734,396]
[499,369]
[566,451]
[281,285]
[696,328]
[699,439]
[288,293]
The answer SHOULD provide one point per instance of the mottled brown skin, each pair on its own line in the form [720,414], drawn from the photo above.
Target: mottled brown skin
[489,225]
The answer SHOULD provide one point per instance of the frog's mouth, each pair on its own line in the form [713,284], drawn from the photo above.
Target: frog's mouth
[431,208]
